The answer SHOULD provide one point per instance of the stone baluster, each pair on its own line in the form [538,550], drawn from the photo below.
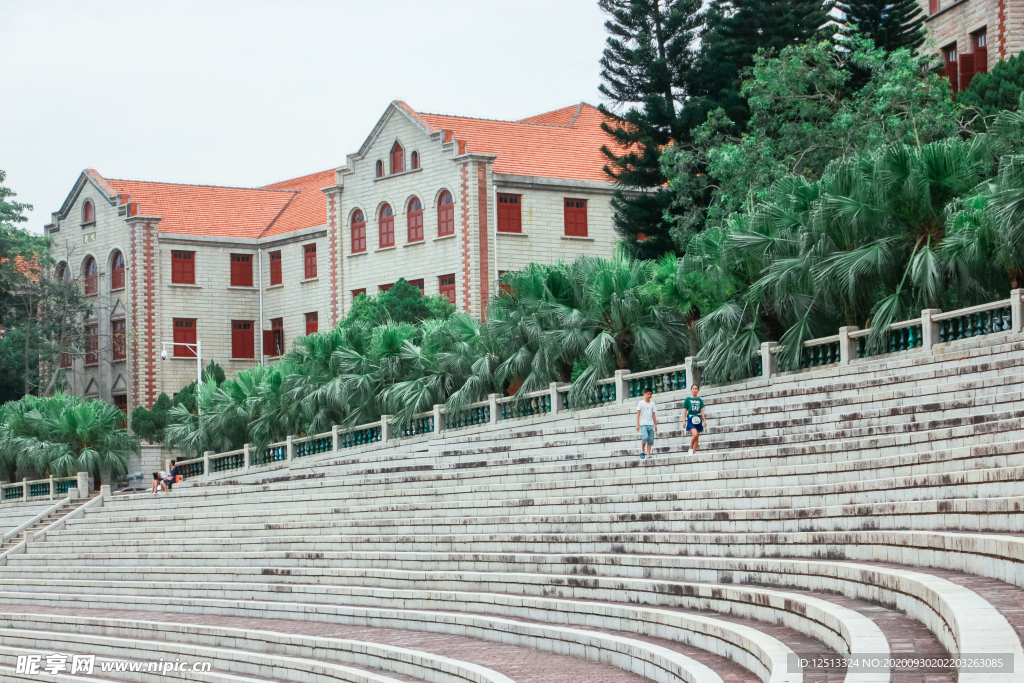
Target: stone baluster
[929,329]
[769,364]
[847,344]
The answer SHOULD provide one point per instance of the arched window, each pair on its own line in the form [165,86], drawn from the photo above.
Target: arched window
[64,272]
[358,232]
[387,227]
[380,168]
[88,212]
[91,271]
[415,220]
[445,215]
[415,160]
[117,271]
[397,159]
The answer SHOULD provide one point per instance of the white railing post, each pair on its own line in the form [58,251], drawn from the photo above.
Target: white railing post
[24,489]
[492,399]
[335,441]
[553,391]
[245,457]
[290,447]
[692,371]
[84,485]
[621,386]
[769,366]
[847,350]
[929,329]
[105,493]
[1016,310]
[51,487]
[206,464]
[438,418]
[385,428]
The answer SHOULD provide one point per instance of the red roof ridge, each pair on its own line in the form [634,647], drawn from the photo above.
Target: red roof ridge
[215,187]
[270,186]
[518,122]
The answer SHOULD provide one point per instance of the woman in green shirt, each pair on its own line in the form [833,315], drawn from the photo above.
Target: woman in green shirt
[694,408]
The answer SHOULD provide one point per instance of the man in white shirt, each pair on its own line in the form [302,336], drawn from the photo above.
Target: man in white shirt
[647,424]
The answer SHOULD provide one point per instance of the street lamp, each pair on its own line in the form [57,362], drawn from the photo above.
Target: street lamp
[198,347]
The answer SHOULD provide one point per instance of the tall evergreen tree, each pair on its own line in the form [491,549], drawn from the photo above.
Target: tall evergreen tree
[890,24]
[647,67]
[735,31]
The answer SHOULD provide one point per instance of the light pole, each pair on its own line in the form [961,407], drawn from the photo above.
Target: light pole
[198,347]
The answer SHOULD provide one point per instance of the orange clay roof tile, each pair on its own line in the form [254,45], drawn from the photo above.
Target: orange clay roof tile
[308,209]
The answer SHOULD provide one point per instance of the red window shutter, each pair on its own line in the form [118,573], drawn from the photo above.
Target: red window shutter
[966,70]
[309,252]
[445,215]
[241,270]
[446,285]
[357,292]
[312,322]
[415,221]
[269,343]
[981,60]
[933,6]
[242,339]
[418,284]
[275,268]
[183,267]
[92,348]
[65,360]
[358,232]
[509,213]
[121,403]
[92,282]
[386,227]
[576,217]
[117,271]
[397,159]
[118,328]
[387,287]
[184,333]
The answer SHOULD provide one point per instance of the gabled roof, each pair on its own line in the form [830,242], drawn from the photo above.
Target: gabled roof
[307,209]
[564,143]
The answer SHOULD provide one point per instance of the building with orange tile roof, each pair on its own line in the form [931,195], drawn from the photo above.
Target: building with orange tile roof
[446,202]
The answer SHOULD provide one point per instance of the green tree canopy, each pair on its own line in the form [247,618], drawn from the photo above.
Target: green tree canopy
[991,93]
[890,24]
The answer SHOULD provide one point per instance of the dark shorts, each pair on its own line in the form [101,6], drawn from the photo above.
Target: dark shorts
[690,425]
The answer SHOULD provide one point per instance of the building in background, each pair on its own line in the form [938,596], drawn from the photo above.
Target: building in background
[973,35]
[448,203]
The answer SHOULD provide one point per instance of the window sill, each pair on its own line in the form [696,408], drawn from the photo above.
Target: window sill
[444,237]
[118,360]
[119,289]
[242,288]
[578,239]
[309,279]
[277,286]
[190,285]
[91,365]
[391,248]
[413,244]
[191,358]
[242,360]
[87,225]
[512,234]
[358,253]
[398,175]
[91,295]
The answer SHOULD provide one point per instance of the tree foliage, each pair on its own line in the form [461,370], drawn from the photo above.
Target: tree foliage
[890,24]
[991,93]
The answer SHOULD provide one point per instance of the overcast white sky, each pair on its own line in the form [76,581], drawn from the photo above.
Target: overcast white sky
[248,93]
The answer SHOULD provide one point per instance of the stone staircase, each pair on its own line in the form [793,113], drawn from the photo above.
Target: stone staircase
[44,522]
[872,511]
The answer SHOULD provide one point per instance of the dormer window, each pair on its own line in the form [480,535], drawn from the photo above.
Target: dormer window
[397,159]
[88,212]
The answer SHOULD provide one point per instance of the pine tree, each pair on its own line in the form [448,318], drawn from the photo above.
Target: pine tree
[647,67]
[891,24]
[993,92]
[736,30]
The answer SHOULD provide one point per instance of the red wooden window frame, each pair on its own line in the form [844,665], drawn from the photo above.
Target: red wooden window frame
[503,288]
[386,227]
[184,333]
[312,322]
[88,212]
[386,288]
[510,216]
[91,270]
[445,214]
[117,271]
[183,267]
[380,168]
[92,345]
[65,360]
[118,329]
[397,159]
[415,220]
[121,402]
[951,68]
[309,260]
[414,161]
[446,286]
[242,339]
[933,6]
[980,41]
[418,284]
[575,217]
[275,268]
[358,232]
[357,292]
[241,270]
[273,341]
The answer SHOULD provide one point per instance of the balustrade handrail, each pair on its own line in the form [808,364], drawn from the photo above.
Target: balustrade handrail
[922,334]
[980,308]
[37,481]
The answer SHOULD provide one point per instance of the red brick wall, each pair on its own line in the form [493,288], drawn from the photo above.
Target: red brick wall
[481,196]
[332,236]
[466,258]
